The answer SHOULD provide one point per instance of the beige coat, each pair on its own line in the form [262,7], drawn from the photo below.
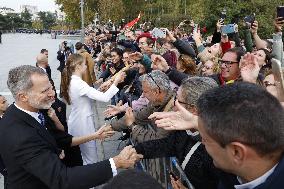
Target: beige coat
[144,129]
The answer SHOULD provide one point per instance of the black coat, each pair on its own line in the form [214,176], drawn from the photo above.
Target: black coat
[2,166]
[133,83]
[199,170]
[177,77]
[61,56]
[63,140]
[30,154]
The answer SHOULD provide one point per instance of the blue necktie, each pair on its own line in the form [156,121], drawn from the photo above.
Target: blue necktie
[41,118]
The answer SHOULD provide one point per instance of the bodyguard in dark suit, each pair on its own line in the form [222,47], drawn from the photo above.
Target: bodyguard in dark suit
[0,37]
[31,154]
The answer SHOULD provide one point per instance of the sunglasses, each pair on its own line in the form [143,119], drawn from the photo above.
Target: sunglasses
[149,74]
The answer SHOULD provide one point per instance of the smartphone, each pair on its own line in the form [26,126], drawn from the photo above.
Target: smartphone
[223,16]
[195,29]
[278,77]
[280,12]
[172,174]
[230,28]
[158,33]
[250,19]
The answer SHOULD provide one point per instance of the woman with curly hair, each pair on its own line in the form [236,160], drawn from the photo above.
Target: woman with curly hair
[186,64]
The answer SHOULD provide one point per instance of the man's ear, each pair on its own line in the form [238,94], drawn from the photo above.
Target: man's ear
[22,96]
[193,110]
[238,152]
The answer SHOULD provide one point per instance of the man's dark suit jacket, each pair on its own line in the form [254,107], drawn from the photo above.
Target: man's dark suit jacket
[31,157]
[63,140]
[61,57]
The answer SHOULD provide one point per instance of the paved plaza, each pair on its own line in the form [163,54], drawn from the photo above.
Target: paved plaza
[20,49]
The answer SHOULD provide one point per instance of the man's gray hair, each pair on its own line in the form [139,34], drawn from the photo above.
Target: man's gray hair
[193,87]
[157,80]
[19,78]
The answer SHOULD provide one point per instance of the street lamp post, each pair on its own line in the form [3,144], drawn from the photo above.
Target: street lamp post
[82,21]
[184,7]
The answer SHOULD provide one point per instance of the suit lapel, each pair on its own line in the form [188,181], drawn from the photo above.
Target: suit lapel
[32,122]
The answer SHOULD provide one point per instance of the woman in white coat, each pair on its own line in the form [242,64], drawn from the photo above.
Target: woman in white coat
[81,97]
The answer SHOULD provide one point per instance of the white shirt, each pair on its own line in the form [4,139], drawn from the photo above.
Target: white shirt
[36,114]
[256,182]
[42,68]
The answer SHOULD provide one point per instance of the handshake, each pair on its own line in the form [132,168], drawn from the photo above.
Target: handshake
[127,158]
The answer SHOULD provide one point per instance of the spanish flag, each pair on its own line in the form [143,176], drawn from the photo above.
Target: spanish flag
[133,22]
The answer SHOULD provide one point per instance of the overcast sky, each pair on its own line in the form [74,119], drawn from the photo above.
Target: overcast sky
[42,5]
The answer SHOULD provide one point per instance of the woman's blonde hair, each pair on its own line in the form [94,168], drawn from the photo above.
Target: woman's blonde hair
[72,61]
[188,64]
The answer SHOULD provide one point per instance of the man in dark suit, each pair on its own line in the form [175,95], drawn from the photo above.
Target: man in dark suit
[246,142]
[62,55]
[48,70]
[0,37]
[31,154]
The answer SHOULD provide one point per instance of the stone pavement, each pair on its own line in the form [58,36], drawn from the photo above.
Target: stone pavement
[20,49]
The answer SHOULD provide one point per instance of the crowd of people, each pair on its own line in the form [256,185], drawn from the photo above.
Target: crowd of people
[214,103]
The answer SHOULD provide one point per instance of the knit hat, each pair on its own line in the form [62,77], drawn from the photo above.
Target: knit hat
[146,62]
[147,35]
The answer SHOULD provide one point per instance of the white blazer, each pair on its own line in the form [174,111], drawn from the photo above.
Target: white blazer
[82,96]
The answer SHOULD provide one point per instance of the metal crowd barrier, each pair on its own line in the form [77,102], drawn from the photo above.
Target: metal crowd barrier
[158,168]
[164,165]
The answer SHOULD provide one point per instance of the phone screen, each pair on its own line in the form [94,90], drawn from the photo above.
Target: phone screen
[280,12]
[172,174]
[195,28]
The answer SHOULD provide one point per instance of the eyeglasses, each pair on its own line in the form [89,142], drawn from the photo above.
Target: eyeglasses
[227,62]
[143,44]
[267,83]
[149,74]
[175,99]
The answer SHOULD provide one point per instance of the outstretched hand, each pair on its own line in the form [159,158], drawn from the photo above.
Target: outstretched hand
[104,132]
[127,158]
[177,184]
[182,119]
[113,110]
[159,63]
[135,56]
[249,68]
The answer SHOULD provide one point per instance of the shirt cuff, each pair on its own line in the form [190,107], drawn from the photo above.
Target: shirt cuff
[113,167]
